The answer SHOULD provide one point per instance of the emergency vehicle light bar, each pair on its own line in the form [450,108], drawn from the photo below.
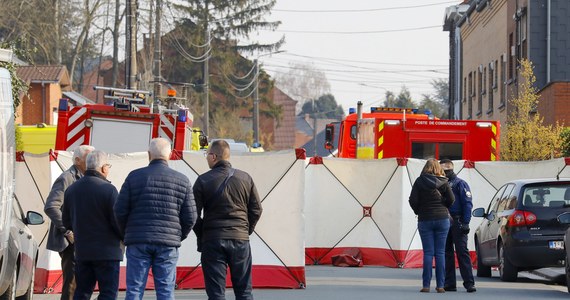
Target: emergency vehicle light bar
[392,122]
[374,109]
[483,124]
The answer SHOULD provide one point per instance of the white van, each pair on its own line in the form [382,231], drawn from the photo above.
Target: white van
[18,249]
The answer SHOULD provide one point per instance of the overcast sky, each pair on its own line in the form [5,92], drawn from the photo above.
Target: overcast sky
[364,46]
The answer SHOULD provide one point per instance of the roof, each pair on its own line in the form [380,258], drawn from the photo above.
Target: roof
[55,74]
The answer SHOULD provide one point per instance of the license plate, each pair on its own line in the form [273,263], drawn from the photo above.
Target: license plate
[556,244]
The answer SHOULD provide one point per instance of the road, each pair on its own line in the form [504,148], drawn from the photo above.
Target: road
[334,283]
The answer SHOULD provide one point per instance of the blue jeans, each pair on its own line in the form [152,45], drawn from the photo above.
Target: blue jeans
[434,235]
[217,256]
[162,259]
[105,273]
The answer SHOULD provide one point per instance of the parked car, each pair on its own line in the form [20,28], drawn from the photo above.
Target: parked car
[19,263]
[565,219]
[521,229]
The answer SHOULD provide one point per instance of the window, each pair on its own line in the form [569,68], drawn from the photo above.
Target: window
[503,82]
[491,85]
[425,150]
[464,89]
[511,57]
[480,89]
[495,202]
[504,203]
[470,100]
[523,30]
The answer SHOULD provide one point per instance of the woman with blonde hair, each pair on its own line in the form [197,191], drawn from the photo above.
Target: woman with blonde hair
[430,199]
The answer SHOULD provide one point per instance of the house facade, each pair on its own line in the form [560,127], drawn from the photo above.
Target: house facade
[46,86]
[488,39]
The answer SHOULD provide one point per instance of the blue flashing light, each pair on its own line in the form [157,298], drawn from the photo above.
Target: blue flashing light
[351,110]
[427,112]
[182,115]
[373,109]
[415,111]
[63,104]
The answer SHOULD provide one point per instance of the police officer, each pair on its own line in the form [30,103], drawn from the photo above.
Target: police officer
[460,213]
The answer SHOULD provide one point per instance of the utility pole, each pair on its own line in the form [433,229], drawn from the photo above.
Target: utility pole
[131,45]
[314,127]
[157,50]
[207,85]
[256,106]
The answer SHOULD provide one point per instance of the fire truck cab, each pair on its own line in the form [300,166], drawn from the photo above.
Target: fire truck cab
[126,123]
[395,132]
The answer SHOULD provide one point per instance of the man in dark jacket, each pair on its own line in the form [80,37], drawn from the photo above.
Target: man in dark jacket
[231,209]
[88,211]
[156,212]
[60,238]
[458,232]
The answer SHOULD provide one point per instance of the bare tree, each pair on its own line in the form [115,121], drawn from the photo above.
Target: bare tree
[303,82]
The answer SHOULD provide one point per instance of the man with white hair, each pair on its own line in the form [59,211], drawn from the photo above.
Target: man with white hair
[60,238]
[155,212]
[88,211]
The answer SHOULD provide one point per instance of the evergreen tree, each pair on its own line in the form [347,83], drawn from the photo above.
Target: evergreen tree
[325,107]
[233,20]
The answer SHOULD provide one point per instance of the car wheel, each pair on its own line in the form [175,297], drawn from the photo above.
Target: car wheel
[567,267]
[482,270]
[29,295]
[507,271]
[10,293]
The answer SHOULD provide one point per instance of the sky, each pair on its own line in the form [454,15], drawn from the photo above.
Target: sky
[365,47]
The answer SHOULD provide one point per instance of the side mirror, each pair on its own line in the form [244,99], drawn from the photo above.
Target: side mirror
[478,212]
[329,136]
[34,218]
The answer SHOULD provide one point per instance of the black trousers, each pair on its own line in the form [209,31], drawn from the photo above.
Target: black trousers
[68,270]
[457,245]
[217,256]
[105,273]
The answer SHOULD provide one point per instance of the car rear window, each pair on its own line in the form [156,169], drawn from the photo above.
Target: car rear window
[547,195]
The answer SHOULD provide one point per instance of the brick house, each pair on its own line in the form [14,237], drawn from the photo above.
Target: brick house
[46,86]
[487,41]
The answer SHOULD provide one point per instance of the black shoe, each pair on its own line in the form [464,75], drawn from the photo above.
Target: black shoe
[471,289]
[450,288]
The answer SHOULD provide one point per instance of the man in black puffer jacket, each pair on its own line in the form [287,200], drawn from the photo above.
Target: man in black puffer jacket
[156,212]
[231,210]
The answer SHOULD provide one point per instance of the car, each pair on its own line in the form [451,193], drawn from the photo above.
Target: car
[521,228]
[565,219]
[19,263]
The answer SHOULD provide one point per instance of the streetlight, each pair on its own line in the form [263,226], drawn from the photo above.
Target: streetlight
[256,143]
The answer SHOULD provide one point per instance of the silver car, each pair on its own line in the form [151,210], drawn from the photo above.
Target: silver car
[20,258]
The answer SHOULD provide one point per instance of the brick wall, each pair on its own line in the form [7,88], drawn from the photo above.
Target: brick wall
[554,103]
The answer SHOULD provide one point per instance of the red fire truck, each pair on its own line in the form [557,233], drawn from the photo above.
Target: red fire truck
[126,123]
[394,132]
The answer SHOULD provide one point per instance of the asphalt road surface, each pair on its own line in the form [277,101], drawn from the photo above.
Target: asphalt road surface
[332,283]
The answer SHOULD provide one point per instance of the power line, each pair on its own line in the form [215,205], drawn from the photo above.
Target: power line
[361,61]
[358,32]
[362,10]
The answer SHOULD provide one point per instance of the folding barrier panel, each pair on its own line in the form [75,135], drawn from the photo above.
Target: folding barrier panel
[277,243]
[364,204]
[345,203]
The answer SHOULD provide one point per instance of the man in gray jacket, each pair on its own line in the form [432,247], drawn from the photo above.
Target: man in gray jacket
[60,239]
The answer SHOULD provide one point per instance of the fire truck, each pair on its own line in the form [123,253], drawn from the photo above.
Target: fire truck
[126,123]
[409,133]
